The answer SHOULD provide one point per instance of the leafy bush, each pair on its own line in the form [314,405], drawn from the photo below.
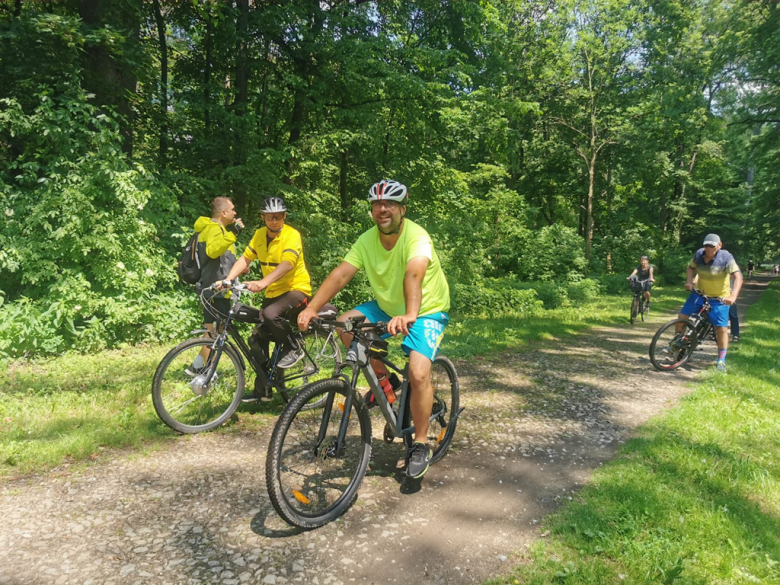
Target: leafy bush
[614,284]
[74,236]
[492,297]
[584,290]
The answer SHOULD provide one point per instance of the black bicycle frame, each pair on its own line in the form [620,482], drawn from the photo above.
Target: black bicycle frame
[237,340]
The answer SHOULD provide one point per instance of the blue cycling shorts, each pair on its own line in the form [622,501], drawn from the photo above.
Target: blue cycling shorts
[719,314]
[424,336]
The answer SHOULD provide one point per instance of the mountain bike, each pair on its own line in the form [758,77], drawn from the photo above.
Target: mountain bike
[317,457]
[195,401]
[674,343]
[639,306]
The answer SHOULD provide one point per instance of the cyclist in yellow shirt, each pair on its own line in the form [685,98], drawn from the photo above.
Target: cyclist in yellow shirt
[286,282]
[412,296]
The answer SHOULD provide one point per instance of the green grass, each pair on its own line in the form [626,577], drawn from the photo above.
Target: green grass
[695,498]
[69,409]
[472,336]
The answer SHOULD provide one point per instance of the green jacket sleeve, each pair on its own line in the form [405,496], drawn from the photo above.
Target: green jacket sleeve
[218,240]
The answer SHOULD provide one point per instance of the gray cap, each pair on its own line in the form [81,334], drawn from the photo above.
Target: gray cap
[712,240]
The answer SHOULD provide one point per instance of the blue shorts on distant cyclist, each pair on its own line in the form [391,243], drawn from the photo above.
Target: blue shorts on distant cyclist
[424,336]
[719,315]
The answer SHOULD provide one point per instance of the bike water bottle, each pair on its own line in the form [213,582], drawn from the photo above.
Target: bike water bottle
[387,387]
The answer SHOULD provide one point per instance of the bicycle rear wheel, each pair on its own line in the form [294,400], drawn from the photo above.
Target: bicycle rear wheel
[671,349]
[446,402]
[183,400]
[634,309]
[309,482]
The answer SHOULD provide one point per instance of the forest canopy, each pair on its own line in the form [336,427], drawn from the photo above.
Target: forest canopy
[546,144]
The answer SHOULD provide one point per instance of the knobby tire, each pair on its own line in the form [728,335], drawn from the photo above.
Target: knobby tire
[308,484]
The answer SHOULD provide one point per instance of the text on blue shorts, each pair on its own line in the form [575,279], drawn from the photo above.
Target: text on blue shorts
[425,334]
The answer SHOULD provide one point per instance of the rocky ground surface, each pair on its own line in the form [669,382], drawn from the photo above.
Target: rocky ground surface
[538,421]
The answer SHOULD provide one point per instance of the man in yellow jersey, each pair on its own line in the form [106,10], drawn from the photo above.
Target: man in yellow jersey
[286,282]
[216,246]
[412,296]
[714,267]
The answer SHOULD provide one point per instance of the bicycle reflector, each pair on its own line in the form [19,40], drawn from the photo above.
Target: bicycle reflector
[377,347]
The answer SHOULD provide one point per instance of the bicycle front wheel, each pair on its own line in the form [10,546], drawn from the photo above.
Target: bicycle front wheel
[446,402]
[311,480]
[671,348]
[184,400]
[634,309]
[641,308]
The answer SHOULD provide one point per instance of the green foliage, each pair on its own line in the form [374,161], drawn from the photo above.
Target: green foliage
[513,125]
[493,297]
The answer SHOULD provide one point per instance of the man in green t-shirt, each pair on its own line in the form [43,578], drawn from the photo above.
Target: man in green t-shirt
[412,296]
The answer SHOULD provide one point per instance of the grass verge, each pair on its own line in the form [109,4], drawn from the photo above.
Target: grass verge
[695,498]
[68,409]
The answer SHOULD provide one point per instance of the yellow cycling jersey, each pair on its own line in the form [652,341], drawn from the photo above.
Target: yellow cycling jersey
[285,247]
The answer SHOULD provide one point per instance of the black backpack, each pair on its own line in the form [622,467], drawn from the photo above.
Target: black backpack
[189,268]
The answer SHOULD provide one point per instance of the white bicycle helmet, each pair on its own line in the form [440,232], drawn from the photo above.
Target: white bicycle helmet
[387,190]
[274,205]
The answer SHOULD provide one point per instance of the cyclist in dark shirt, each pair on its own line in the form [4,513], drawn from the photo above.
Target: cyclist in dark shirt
[644,274]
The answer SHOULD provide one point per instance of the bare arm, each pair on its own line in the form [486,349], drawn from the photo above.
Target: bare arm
[690,273]
[336,280]
[652,278]
[240,267]
[277,274]
[732,298]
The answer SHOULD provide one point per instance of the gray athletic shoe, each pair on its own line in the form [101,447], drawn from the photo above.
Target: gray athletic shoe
[419,460]
[289,359]
[721,367]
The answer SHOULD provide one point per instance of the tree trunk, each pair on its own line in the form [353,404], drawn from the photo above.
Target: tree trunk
[112,83]
[242,58]
[589,206]
[296,123]
[163,154]
[207,77]
[343,195]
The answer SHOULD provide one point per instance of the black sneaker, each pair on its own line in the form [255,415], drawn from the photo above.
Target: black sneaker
[260,392]
[289,359]
[735,339]
[419,459]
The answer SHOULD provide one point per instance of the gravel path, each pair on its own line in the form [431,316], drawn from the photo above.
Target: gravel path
[538,421]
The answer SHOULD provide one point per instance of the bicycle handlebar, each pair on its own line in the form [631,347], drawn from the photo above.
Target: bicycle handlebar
[707,297]
[351,324]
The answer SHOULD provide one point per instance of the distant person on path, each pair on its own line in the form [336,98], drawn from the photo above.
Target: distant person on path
[750,269]
[286,282]
[412,296]
[644,274]
[776,270]
[714,267]
[733,317]
[216,245]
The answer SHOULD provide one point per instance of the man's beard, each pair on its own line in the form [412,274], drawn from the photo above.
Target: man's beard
[391,231]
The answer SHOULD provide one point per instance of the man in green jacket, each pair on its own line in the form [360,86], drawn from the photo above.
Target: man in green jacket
[217,250]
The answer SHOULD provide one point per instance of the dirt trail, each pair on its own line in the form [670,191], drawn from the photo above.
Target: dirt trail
[538,421]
